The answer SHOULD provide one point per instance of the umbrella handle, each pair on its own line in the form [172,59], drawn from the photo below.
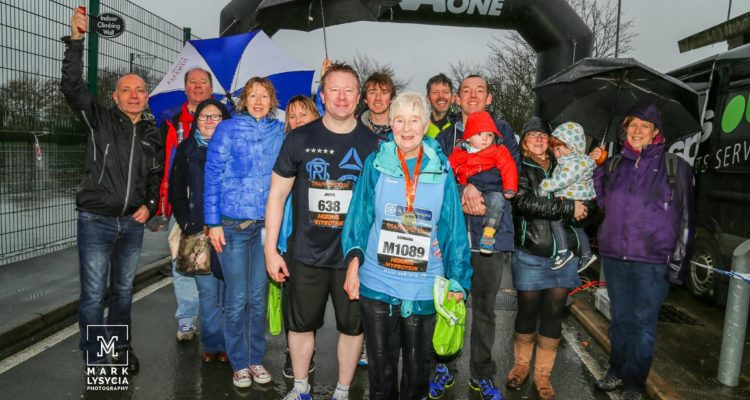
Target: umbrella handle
[602,156]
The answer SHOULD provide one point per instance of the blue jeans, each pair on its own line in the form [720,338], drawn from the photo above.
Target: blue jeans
[636,293]
[211,297]
[246,281]
[107,247]
[185,292]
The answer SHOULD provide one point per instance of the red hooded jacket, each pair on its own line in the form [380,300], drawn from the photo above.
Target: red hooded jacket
[185,118]
[498,157]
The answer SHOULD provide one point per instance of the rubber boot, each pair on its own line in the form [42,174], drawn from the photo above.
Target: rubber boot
[546,351]
[523,345]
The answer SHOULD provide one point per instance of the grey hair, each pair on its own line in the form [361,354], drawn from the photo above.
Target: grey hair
[411,100]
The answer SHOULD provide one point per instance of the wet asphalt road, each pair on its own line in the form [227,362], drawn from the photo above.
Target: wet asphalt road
[171,370]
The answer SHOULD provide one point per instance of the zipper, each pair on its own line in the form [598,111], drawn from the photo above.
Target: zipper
[130,173]
[104,164]
[86,120]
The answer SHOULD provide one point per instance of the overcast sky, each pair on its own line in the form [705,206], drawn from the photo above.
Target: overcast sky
[419,51]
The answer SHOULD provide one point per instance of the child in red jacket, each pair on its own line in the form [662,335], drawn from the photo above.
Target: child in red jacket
[481,153]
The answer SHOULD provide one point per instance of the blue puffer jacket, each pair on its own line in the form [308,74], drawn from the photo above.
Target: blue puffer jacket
[240,158]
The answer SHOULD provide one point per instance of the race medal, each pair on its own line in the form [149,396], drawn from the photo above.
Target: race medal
[409,218]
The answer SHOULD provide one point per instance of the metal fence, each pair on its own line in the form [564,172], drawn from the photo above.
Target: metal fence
[42,144]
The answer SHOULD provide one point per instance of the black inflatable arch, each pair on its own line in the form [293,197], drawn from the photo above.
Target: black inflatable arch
[551,27]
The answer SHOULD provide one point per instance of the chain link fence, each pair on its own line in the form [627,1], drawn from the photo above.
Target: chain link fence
[42,144]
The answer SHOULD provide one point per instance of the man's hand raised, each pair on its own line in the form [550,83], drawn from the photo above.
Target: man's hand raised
[78,24]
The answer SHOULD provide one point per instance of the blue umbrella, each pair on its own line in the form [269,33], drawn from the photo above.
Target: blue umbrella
[232,60]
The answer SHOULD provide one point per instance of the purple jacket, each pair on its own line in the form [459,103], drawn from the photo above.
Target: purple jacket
[644,221]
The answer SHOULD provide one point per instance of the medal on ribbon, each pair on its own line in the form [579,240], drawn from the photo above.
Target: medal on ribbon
[409,218]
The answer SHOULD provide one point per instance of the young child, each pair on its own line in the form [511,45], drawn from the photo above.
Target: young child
[571,179]
[480,153]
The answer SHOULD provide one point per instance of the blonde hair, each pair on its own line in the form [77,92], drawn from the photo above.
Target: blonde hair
[411,100]
[266,84]
[303,102]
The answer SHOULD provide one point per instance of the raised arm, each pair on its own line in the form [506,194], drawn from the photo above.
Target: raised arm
[72,84]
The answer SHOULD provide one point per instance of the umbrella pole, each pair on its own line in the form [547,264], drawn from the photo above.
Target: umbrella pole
[612,111]
[325,39]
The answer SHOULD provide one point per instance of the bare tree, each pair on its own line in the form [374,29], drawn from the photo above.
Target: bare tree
[510,70]
[366,66]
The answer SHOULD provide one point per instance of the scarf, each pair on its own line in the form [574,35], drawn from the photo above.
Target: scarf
[200,139]
[544,163]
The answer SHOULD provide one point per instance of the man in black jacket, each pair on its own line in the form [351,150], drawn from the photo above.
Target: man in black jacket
[119,192]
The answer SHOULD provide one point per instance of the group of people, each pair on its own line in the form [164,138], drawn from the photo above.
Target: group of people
[369,209]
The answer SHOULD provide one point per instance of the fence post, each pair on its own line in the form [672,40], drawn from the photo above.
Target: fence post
[93,74]
[735,319]
[186,34]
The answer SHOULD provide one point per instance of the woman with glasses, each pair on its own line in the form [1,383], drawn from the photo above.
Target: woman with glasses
[238,177]
[541,290]
[186,195]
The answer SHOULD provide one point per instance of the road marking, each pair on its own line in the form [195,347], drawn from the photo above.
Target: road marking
[67,332]
[569,334]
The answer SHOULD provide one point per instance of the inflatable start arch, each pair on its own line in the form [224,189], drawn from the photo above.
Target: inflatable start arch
[551,27]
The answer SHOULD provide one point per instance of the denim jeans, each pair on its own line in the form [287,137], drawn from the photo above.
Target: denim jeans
[211,295]
[108,247]
[185,292]
[494,203]
[246,281]
[388,336]
[636,293]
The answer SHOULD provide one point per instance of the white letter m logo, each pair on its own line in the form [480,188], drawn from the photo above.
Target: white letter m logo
[106,347]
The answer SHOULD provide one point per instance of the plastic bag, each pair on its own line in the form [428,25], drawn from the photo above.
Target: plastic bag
[274,308]
[450,325]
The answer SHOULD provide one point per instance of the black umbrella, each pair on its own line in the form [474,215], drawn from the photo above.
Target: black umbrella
[597,92]
[308,15]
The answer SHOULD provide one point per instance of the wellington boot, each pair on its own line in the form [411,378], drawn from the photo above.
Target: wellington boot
[523,345]
[546,351]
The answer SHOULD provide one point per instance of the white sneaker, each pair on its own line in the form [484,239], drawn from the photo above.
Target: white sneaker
[241,378]
[260,374]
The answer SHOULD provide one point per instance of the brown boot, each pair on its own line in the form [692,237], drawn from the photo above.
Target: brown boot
[546,351]
[523,345]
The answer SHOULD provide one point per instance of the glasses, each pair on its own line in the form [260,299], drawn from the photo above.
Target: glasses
[538,135]
[212,117]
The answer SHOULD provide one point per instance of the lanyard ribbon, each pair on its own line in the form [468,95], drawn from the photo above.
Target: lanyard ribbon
[411,183]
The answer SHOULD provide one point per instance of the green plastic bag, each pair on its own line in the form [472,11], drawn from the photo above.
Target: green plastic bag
[450,322]
[274,308]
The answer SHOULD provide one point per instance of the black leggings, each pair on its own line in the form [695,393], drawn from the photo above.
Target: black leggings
[549,304]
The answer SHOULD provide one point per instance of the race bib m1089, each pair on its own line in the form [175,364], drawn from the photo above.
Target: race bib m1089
[404,248]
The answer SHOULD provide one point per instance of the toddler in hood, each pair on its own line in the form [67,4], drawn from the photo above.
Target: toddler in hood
[571,179]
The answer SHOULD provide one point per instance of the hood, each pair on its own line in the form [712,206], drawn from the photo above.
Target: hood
[572,135]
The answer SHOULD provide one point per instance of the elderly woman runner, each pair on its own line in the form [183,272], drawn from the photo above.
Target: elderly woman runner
[644,242]
[405,227]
